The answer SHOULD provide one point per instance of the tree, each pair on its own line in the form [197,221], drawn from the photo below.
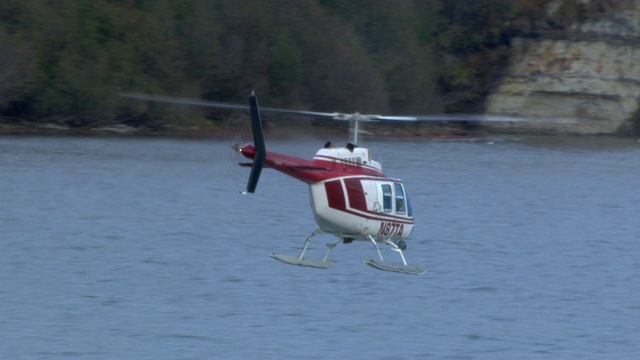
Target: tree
[67,60]
[16,69]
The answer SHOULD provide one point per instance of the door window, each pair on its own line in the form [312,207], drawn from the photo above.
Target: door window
[400,205]
[386,198]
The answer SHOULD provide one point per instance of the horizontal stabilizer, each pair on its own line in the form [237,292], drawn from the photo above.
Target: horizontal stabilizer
[248,164]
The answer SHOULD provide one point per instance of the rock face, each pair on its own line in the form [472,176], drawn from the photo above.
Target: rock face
[584,82]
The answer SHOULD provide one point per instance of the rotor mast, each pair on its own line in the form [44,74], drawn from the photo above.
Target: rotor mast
[354,124]
[355,129]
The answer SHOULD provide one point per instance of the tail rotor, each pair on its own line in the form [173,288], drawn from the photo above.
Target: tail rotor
[260,151]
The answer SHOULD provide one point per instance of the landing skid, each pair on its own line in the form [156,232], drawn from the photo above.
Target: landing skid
[300,260]
[394,267]
[295,260]
[381,264]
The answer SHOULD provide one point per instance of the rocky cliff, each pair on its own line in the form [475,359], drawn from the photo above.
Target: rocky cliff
[583,80]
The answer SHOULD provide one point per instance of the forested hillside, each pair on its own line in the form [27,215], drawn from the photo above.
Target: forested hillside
[65,61]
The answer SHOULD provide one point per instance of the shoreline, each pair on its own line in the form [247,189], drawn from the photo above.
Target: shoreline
[278,130]
[274,130]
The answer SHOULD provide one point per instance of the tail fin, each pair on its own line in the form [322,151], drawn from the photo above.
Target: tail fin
[258,143]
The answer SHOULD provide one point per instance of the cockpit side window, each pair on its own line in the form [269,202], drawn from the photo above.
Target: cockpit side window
[400,205]
[386,198]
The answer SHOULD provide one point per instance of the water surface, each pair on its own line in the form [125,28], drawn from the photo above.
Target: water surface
[145,249]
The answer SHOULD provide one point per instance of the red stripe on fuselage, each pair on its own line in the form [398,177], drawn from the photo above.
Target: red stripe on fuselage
[335,194]
[356,195]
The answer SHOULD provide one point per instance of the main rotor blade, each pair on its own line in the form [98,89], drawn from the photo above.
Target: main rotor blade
[341,116]
[452,117]
[185,101]
[219,105]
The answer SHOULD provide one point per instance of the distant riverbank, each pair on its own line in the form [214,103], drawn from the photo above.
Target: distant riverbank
[240,132]
[275,129]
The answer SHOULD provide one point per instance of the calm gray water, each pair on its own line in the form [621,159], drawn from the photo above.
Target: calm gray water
[144,249]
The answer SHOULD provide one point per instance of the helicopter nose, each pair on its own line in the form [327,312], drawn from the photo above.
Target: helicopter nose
[248,151]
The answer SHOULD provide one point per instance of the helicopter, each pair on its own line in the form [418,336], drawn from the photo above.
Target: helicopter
[350,195]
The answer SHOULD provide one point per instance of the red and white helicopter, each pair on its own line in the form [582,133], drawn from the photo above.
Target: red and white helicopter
[350,195]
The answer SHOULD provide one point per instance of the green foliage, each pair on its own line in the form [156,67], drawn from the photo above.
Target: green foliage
[473,45]
[285,68]
[16,69]
[67,60]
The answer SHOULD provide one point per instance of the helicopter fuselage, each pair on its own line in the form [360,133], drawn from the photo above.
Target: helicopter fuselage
[350,195]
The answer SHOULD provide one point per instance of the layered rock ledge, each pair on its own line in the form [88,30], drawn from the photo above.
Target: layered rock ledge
[585,81]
